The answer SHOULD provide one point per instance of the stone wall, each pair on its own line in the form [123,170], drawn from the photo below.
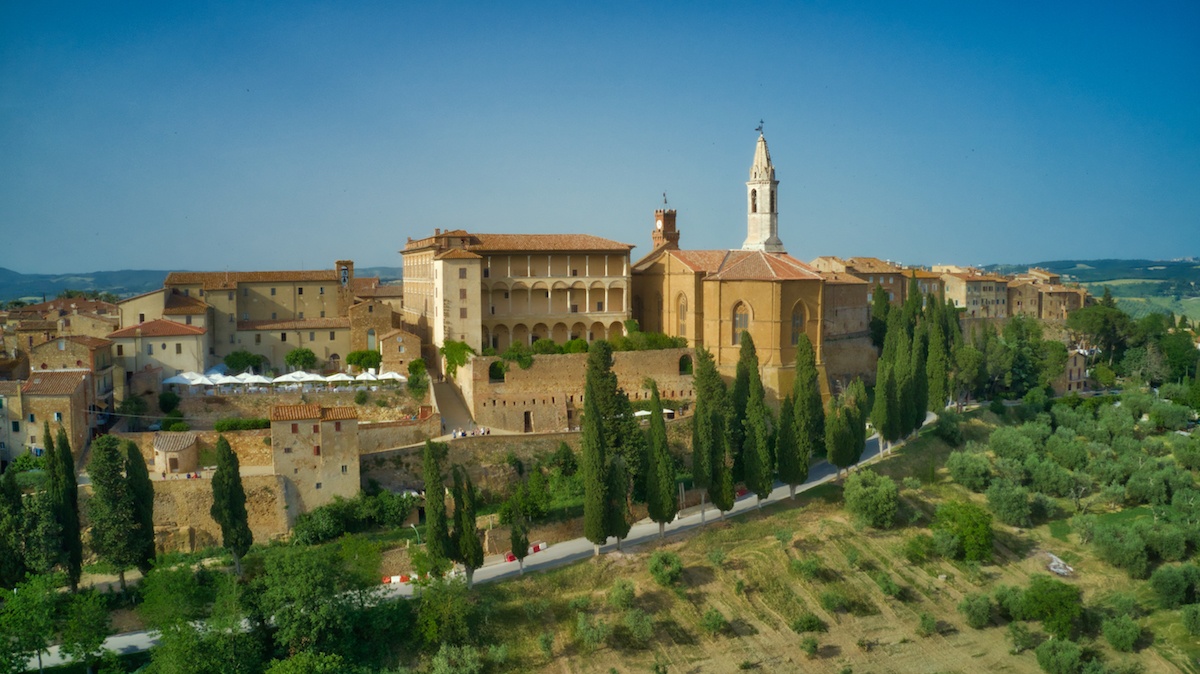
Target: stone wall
[387,435]
[181,512]
[848,358]
[249,446]
[547,397]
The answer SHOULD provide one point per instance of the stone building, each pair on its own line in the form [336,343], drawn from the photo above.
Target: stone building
[1074,378]
[176,452]
[315,450]
[875,272]
[160,344]
[12,421]
[495,289]
[709,297]
[1040,294]
[75,352]
[59,397]
[978,295]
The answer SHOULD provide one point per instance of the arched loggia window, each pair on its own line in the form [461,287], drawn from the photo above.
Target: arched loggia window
[741,321]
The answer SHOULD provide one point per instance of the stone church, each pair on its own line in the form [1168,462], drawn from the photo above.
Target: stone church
[710,297]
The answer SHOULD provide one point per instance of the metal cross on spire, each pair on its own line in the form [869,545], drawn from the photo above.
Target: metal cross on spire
[664,198]
[759,128]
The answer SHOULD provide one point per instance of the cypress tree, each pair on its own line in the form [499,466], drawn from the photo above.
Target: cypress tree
[880,308]
[912,304]
[856,398]
[12,559]
[437,534]
[720,492]
[660,469]
[918,366]
[470,549]
[839,438]
[809,408]
[229,504]
[618,518]
[703,434]
[593,469]
[792,455]
[456,530]
[756,457]
[64,494]
[739,398]
[622,433]
[141,490]
[936,370]
[885,392]
[902,370]
[111,509]
[518,534]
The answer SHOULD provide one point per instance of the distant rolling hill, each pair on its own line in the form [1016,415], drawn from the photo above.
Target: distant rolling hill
[1092,271]
[124,283]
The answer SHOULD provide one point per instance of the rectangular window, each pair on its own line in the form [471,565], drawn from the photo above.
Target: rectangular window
[301,314]
[344,471]
[318,485]
[149,349]
[599,306]
[295,428]
[321,290]
[186,292]
[273,315]
[272,292]
[370,308]
[230,296]
[312,336]
[300,290]
[120,349]
[331,336]
[337,425]
[230,318]
[245,315]
[32,418]
[178,349]
[283,336]
[246,291]
[287,450]
[258,339]
[462,313]
[16,426]
[58,417]
[322,314]
[316,428]
[462,272]
[462,293]
[141,318]
[316,450]
[231,339]
[486,272]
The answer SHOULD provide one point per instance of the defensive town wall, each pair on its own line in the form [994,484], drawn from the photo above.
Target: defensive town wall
[548,396]
[181,512]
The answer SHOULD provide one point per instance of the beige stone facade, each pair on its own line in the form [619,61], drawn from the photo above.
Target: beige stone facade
[160,344]
[494,289]
[315,451]
[1074,378]
[59,397]
[977,295]
[75,352]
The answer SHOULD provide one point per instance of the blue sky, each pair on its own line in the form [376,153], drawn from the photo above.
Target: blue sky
[290,134]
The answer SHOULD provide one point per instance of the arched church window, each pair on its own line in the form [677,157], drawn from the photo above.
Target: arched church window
[797,323]
[682,315]
[371,339]
[774,208]
[753,201]
[741,321]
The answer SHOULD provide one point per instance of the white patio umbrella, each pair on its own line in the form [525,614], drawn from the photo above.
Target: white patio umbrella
[223,379]
[366,376]
[189,375]
[642,413]
[289,378]
[255,379]
[394,376]
[202,381]
[219,368]
[340,376]
[178,379]
[310,376]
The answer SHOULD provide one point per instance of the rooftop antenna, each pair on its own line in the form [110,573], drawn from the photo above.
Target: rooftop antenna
[759,128]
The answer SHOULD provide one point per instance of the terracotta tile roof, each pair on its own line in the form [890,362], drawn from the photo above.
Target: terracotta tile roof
[160,327]
[145,294]
[228,280]
[70,305]
[701,260]
[841,278]
[389,290]
[9,388]
[922,273]
[297,324]
[433,240]
[311,413]
[546,242]
[174,442]
[871,265]
[394,333]
[178,304]
[457,254]
[54,382]
[37,325]
[90,342]
[976,277]
[753,265]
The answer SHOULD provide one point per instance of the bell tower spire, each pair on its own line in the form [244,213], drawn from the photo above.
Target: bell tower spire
[762,217]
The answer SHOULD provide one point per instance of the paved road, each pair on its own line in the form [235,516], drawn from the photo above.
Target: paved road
[558,554]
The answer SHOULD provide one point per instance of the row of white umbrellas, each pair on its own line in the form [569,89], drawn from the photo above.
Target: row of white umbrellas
[297,377]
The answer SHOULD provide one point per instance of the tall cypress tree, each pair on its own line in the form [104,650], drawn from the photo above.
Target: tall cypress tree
[856,398]
[111,509]
[881,307]
[12,559]
[518,533]
[622,433]
[141,490]
[456,530]
[739,397]
[618,518]
[470,549]
[902,370]
[437,533]
[809,408]
[936,366]
[64,493]
[721,492]
[918,367]
[839,439]
[703,434]
[229,504]
[661,501]
[756,457]
[593,469]
[792,455]
[912,304]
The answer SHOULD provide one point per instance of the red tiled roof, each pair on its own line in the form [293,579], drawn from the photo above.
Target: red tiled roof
[90,342]
[311,413]
[700,260]
[841,278]
[753,265]
[160,327]
[297,324]
[390,290]
[9,387]
[871,265]
[546,242]
[228,280]
[174,442]
[456,254]
[37,325]
[54,382]
[178,304]
[70,305]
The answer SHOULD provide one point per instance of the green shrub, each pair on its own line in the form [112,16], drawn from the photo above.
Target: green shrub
[591,633]
[713,622]
[809,569]
[621,594]
[971,524]
[238,424]
[918,549]
[1175,585]
[1010,601]
[927,625]
[808,622]
[977,609]
[834,601]
[1123,547]
[1060,656]
[1191,619]
[810,646]
[666,568]
[947,427]
[1121,632]
[717,558]
[1021,637]
[639,626]
[546,346]
[946,544]
[1058,605]
[168,401]
[871,498]
[361,397]
[1010,503]
[887,585]
[911,483]
[971,469]
[546,644]
[178,427]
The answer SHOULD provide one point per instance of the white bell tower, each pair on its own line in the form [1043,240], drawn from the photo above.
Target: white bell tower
[762,216]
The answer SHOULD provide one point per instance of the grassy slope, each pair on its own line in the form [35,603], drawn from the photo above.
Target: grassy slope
[879,636]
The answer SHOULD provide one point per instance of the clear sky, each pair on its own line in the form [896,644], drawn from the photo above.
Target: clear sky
[286,135]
